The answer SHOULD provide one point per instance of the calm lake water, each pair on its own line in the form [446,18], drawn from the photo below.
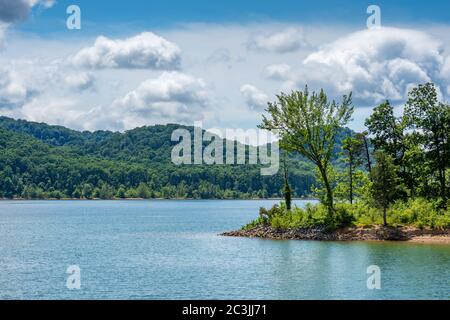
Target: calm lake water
[170,250]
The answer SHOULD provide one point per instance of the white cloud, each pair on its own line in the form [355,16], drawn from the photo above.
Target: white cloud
[13,91]
[255,98]
[445,71]
[55,110]
[41,62]
[287,40]
[16,10]
[3,28]
[221,55]
[375,64]
[145,51]
[172,97]
[80,81]
[12,11]
[278,71]
[48,3]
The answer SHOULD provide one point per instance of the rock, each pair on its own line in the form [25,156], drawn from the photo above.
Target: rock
[374,233]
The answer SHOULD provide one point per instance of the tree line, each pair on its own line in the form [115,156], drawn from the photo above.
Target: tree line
[39,161]
[398,159]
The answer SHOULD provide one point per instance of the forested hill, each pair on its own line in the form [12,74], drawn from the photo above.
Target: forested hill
[44,161]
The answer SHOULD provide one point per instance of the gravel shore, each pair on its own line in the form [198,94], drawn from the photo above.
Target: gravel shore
[375,233]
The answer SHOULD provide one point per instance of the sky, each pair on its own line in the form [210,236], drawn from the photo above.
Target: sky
[135,63]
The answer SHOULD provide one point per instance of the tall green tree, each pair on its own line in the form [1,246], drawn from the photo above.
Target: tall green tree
[388,134]
[384,182]
[363,137]
[353,151]
[431,118]
[308,123]
[387,131]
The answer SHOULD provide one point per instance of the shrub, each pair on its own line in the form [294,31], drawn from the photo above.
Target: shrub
[344,215]
[366,215]
[279,218]
[278,222]
[268,215]
[253,224]
[421,213]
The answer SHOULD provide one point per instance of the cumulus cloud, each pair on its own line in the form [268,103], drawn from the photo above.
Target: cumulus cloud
[16,10]
[278,71]
[145,51]
[13,91]
[3,28]
[287,40]
[376,64]
[172,97]
[47,3]
[12,11]
[220,55]
[55,110]
[80,81]
[445,71]
[255,98]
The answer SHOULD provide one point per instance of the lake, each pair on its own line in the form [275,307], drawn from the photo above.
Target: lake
[163,249]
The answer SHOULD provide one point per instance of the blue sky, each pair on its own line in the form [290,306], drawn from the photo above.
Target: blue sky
[137,63]
[104,13]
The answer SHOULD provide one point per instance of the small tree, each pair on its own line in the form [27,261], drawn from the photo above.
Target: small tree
[143,191]
[309,123]
[121,192]
[384,182]
[87,190]
[105,192]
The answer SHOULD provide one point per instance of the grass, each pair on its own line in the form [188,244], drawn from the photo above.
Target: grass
[420,213]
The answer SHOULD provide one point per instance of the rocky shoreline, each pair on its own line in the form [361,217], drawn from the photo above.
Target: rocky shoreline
[374,233]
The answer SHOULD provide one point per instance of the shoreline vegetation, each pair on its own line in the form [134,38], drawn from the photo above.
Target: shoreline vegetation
[415,221]
[41,161]
[140,199]
[389,182]
[392,182]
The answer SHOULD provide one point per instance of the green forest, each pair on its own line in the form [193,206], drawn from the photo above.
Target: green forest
[396,173]
[41,161]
